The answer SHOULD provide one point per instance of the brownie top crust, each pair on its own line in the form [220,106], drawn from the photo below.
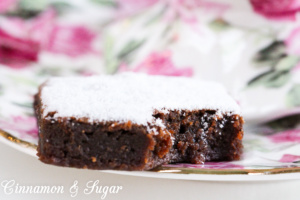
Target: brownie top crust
[131,97]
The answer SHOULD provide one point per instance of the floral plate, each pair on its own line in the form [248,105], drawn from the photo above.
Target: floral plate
[258,62]
[272,148]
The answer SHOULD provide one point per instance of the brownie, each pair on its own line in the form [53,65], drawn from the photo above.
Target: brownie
[172,135]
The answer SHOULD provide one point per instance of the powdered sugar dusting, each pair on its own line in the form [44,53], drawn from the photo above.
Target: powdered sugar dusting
[131,96]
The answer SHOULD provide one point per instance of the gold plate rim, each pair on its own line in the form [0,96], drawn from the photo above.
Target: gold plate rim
[175,170]
[14,139]
[178,170]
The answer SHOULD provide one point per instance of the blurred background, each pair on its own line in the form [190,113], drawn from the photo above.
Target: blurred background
[251,46]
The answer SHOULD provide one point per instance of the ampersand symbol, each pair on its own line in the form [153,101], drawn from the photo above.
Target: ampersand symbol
[74,189]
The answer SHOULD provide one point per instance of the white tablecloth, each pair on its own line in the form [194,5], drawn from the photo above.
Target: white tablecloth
[27,170]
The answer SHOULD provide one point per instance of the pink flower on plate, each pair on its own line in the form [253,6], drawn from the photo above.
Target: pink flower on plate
[17,52]
[21,41]
[277,9]
[133,6]
[286,136]
[293,42]
[296,68]
[70,40]
[289,158]
[207,165]
[160,64]
[188,10]
[41,27]
[26,126]
[6,5]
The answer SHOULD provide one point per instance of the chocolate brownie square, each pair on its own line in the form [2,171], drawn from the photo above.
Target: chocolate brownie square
[135,122]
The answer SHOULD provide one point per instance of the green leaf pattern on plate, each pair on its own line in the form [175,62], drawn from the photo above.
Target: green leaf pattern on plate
[293,96]
[274,57]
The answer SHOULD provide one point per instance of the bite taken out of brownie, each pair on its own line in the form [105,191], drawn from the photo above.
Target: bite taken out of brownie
[135,122]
